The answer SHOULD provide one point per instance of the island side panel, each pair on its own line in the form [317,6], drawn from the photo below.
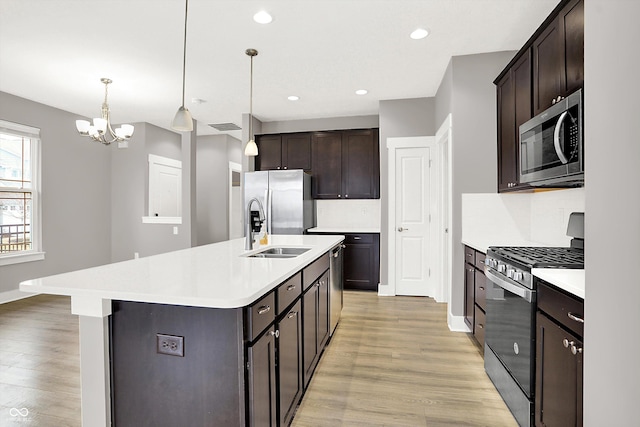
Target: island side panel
[203,387]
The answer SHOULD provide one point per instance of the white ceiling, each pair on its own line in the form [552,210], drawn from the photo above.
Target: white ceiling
[56,51]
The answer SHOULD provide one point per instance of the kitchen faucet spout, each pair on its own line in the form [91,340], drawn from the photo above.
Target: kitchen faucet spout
[248,226]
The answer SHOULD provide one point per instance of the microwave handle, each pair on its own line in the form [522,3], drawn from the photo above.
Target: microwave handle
[556,139]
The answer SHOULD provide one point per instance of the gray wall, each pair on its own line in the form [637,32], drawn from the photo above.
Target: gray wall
[612,226]
[398,118]
[468,93]
[129,196]
[214,152]
[76,193]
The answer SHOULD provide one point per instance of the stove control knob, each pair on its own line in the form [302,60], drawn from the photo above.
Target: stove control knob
[501,267]
[510,272]
[518,276]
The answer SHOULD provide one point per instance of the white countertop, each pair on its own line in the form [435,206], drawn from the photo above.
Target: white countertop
[343,230]
[215,275]
[569,280]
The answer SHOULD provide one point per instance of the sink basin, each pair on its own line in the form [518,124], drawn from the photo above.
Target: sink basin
[279,252]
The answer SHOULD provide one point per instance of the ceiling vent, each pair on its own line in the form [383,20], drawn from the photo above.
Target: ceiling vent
[225,127]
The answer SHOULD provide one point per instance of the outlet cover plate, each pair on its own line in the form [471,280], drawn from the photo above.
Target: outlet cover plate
[171,345]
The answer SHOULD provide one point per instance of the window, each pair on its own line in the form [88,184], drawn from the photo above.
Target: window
[20,234]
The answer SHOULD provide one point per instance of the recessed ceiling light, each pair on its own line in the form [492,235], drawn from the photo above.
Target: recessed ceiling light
[419,33]
[362,92]
[262,17]
[293,98]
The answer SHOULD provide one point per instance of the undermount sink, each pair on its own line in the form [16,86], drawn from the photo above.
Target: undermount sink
[279,252]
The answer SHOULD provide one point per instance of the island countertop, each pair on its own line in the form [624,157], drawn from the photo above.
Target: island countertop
[218,275]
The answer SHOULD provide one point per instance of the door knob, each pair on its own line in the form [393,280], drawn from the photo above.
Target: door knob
[400,229]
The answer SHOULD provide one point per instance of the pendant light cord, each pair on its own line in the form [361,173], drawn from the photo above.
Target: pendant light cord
[184,49]
[251,102]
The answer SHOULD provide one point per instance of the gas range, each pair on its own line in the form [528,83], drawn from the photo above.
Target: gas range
[516,262]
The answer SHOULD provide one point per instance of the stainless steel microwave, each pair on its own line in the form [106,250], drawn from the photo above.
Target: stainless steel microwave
[551,145]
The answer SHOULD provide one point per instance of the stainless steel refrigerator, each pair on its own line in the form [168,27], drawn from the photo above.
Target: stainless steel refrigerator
[286,198]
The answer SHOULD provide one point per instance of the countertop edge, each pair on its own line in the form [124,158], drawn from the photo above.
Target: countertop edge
[569,280]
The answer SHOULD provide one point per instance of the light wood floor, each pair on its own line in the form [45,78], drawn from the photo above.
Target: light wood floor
[392,362]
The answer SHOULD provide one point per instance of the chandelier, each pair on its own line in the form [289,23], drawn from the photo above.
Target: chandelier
[98,130]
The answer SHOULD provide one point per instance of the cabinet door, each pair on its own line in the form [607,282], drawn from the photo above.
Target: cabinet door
[558,400]
[326,160]
[548,64]
[269,152]
[469,287]
[323,311]
[289,363]
[296,151]
[310,332]
[572,21]
[360,165]
[507,148]
[262,381]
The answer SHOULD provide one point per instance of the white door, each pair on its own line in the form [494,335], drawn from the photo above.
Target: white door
[412,229]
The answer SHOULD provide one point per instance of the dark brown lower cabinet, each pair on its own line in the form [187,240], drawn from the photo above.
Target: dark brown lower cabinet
[315,323]
[361,270]
[289,368]
[559,358]
[262,381]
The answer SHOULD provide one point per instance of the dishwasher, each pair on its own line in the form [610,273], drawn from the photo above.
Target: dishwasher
[336,287]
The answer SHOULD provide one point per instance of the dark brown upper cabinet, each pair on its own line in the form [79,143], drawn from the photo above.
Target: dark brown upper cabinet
[284,151]
[558,57]
[346,164]
[514,108]
[549,65]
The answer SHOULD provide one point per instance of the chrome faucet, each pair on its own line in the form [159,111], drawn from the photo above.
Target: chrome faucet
[248,245]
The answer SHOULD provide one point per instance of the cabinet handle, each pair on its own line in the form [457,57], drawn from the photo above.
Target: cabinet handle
[575,350]
[574,317]
[356,238]
[264,309]
[278,168]
[275,333]
[285,168]
[291,287]
[481,288]
[339,196]
[292,314]
[566,343]
[480,325]
[346,196]
[470,255]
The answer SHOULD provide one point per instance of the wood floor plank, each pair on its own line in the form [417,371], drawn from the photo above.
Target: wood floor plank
[392,362]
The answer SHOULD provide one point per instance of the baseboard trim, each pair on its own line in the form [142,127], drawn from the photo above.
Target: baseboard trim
[456,323]
[14,295]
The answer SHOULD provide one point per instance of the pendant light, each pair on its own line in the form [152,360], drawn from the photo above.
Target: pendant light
[251,149]
[183,122]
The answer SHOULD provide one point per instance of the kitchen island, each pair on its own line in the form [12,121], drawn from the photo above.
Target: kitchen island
[180,333]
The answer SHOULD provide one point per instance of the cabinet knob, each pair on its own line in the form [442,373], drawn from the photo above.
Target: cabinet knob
[480,325]
[291,287]
[339,196]
[264,309]
[346,196]
[575,350]
[292,314]
[278,167]
[566,343]
[285,168]
[481,288]
[275,333]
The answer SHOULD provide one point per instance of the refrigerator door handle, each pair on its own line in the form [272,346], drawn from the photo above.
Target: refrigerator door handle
[268,197]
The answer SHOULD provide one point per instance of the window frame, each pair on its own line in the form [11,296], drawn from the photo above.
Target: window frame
[35,253]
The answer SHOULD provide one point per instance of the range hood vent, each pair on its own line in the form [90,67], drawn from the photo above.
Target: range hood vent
[225,127]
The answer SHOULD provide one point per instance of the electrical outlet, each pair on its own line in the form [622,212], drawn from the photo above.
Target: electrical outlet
[170,344]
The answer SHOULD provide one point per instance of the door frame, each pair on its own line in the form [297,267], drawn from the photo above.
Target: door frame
[392,145]
[445,209]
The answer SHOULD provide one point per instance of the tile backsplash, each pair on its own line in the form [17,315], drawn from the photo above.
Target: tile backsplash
[539,217]
[361,213]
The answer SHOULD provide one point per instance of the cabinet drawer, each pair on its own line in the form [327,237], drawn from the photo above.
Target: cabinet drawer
[479,260]
[314,270]
[469,255]
[560,306]
[481,289]
[289,291]
[479,326]
[358,238]
[260,315]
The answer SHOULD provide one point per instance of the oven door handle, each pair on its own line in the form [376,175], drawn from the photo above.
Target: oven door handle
[520,291]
